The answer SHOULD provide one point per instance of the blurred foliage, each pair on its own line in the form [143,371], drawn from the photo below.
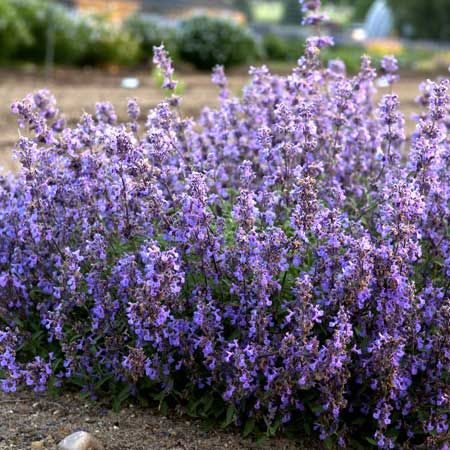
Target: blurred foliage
[149,32]
[201,41]
[78,39]
[39,16]
[279,49]
[13,30]
[267,11]
[208,41]
[108,44]
[292,12]
[349,54]
[246,7]
[423,19]
[361,8]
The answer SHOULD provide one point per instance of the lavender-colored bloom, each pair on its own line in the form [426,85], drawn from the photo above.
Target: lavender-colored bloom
[163,62]
[288,250]
[389,66]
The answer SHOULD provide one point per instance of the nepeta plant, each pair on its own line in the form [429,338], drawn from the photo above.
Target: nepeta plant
[280,261]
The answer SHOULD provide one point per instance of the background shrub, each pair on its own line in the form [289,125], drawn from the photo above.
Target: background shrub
[69,38]
[292,13]
[423,19]
[107,43]
[150,32]
[277,48]
[206,42]
[13,30]
[350,55]
[78,39]
[361,8]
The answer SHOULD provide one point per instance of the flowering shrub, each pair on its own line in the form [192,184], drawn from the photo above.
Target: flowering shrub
[282,261]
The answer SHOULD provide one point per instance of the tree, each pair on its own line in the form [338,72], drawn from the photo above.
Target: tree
[421,19]
[360,8]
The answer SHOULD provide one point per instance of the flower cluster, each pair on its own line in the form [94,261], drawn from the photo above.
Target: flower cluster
[287,253]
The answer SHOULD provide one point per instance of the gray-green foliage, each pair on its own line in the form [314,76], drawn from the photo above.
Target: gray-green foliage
[149,31]
[281,49]
[207,41]
[292,12]
[13,30]
[107,43]
[423,19]
[78,39]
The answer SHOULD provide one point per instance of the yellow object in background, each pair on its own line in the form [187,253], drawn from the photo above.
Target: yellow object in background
[381,47]
[116,10]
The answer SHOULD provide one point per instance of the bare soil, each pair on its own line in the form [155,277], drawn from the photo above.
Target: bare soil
[78,90]
[40,422]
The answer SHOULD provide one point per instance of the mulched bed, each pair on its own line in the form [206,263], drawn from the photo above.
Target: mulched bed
[40,422]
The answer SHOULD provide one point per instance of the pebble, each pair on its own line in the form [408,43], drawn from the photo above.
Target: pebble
[81,440]
[36,445]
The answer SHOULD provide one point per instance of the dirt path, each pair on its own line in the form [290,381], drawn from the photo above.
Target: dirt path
[30,421]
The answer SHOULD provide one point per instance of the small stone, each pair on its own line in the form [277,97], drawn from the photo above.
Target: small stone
[80,441]
[36,445]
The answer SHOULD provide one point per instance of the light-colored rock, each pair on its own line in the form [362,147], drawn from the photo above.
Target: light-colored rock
[36,445]
[81,440]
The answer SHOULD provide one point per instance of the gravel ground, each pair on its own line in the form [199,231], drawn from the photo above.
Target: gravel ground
[28,421]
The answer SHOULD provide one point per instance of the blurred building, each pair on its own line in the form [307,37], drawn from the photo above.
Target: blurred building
[187,8]
[116,10]
[119,10]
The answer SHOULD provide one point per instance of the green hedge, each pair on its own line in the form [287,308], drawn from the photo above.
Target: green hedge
[278,49]
[39,15]
[108,44]
[206,41]
[78,39]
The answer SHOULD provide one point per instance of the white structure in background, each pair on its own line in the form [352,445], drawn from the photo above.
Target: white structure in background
[379,21]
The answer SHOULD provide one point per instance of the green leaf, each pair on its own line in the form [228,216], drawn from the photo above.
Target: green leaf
[272,429]
[316,408]
[231,415]
[328,442]
[164,408]
[118,399]
[249,427]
